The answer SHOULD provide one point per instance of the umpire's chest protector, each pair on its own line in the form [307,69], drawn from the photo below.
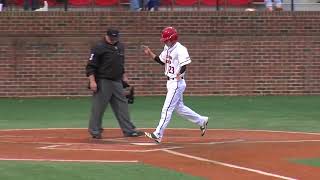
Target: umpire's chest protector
[111,61]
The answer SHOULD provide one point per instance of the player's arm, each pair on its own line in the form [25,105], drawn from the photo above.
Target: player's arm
[157,59]
[184,60]
[148,52]
[182,70]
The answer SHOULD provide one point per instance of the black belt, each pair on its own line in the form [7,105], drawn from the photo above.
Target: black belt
[172,78]
[112,79]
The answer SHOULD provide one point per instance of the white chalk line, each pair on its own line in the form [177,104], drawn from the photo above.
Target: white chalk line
[60,160]
[145,144]
[107,150]
[228,165]
[57,146]
[64,147]
[120,139]
[219,142]
[53,146]
[282,141]
[38,137]
[115,139]
[243,141]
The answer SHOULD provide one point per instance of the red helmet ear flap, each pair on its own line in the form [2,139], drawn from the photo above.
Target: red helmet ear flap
[169,34]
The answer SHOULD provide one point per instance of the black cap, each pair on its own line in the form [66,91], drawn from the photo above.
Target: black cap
[112,32]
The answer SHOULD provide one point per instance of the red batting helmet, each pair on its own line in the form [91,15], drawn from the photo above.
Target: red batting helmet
[169,34]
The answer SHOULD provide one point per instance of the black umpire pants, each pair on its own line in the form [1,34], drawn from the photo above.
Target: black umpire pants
[110,92]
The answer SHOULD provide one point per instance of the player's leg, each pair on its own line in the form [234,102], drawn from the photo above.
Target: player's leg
[192,116]
[100,101]
[174,92]
[189,114]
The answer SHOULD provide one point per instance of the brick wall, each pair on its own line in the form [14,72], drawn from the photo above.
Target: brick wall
[233,53]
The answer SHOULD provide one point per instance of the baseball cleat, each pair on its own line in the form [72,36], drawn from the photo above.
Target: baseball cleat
[204,127]
[134,134]
[96,136]
[153,137]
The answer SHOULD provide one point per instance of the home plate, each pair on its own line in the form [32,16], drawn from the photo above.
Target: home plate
[145,144]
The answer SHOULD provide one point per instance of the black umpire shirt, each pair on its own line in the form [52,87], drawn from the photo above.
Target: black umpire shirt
[106,61]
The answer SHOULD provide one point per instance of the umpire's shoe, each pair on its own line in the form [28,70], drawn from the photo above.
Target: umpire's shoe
[153,137]
[204,127]
[96,136]
[134,134]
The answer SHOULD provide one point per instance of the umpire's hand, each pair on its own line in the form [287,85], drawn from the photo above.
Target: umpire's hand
[93,86]
[92,83]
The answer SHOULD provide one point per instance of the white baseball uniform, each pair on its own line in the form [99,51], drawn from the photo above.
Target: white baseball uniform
[174,58]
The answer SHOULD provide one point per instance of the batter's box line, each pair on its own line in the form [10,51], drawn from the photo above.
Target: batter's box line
[245,141]
[282,141]
[64,147]
[40,142]
[219,142]
[23,136]
[53,146]
[120,140]
[64,160]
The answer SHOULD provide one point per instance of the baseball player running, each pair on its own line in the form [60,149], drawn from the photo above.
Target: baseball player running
[175,58]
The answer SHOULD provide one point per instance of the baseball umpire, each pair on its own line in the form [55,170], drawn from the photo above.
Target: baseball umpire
[106,73]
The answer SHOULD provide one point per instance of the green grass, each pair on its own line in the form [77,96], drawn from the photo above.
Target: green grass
[289,113]
[311,162]
[14,170]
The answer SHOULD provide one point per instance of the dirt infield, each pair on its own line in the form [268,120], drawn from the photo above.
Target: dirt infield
[220,154]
